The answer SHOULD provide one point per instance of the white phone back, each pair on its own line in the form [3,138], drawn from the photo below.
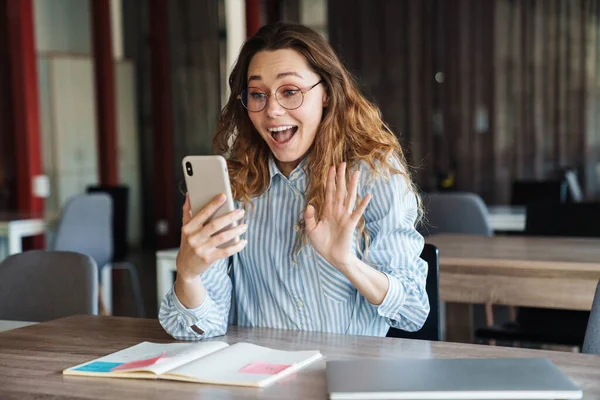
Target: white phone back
[210,178]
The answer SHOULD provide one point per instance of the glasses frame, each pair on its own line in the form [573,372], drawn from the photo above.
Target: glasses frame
[303,91]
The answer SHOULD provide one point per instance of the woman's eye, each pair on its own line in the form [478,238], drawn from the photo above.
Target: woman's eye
[290,93]
[257,95]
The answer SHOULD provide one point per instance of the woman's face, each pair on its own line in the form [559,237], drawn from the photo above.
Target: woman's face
[288,133]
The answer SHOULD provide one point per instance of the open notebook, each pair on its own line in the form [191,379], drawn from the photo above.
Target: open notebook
[213,362]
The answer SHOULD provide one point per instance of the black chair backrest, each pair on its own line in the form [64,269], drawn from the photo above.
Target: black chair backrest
[431,330]
[525,191]
[563,219]
[559,219]
[120,203]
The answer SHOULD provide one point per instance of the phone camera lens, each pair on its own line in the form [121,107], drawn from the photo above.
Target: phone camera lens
[188,168]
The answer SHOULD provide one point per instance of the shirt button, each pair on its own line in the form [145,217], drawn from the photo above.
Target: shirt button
[300,304]
[296,228]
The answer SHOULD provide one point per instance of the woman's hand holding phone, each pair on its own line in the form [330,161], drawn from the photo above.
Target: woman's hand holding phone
[199,238]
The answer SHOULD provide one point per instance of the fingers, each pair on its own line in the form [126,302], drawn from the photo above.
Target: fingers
[214,226]
[351,199]
[204,214]
[330,190]
[361,208]
[225,236]
[209,256]
[310,222]
[340,183]
[219,254]
[187,210]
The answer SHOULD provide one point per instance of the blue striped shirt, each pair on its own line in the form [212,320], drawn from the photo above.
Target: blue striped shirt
[273,289]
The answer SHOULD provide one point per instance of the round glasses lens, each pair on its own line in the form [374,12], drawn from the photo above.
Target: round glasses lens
[289,97]
[253,99]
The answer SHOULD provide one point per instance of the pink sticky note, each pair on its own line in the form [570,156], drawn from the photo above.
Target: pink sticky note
[139,363]
[260,367]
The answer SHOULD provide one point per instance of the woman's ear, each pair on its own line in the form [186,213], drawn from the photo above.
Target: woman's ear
[325,100]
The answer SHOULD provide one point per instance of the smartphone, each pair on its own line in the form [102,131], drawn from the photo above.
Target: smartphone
[205,178]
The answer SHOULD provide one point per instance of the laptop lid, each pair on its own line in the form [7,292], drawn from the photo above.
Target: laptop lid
[499,378]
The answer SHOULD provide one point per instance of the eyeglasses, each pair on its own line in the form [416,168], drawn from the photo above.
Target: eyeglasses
[289,97]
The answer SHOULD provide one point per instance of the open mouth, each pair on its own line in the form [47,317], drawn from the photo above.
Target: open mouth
[283,134]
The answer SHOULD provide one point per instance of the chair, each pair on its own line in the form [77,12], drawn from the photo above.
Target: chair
[39,286]
[119,195]
[528,191]
[462,213]
[431,329]
[574,192]
[455,212]
[541,325]
[85,226]
[591,344]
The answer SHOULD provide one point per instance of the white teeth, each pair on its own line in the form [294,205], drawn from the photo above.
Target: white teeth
[280,128]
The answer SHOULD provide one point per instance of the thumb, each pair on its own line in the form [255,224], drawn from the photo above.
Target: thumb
[187,209]
[309,219]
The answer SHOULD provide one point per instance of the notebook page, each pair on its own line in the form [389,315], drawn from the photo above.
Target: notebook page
[244,364]
[171,356]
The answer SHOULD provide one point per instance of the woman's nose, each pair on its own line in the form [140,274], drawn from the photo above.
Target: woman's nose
[273,108]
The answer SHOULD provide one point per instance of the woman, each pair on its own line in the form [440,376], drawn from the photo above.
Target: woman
[328,205]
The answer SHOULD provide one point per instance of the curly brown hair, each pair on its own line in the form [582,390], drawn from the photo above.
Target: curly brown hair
[351,129]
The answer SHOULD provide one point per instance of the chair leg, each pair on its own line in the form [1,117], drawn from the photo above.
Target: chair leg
[106,283]
[489,314]
[137,291]
[135,285]
[3,248]
[101,307]
[489,319]
[512,313]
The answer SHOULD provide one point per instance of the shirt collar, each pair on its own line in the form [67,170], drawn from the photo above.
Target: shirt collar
[297,173]
[273,169]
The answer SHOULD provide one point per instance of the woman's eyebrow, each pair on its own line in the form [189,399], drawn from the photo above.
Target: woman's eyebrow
[279,76]
[254,78]
[291,73]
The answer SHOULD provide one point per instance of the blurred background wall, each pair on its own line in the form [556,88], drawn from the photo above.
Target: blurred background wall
[485,91]
[479,92]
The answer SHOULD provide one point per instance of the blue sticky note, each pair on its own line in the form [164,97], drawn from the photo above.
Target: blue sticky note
[98,366]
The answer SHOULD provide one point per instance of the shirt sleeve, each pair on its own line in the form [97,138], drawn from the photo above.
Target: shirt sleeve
[394,249]
[210,318]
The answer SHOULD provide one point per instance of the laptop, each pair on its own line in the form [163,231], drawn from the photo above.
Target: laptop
[492,378]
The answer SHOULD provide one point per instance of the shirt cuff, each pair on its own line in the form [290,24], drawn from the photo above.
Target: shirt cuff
[192,316]
[393,300]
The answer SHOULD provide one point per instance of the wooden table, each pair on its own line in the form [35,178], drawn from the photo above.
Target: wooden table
[544,272]
[15,226]
[32,358]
